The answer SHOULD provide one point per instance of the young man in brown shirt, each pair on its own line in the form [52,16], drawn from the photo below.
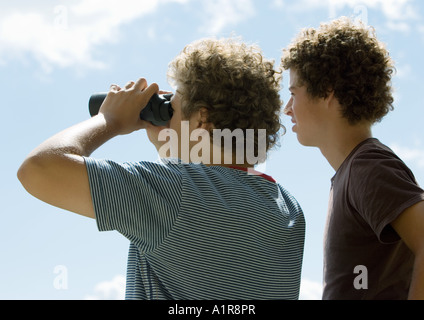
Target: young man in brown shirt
[374,239]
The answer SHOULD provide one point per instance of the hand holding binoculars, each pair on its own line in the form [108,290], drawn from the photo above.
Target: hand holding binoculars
[158,110]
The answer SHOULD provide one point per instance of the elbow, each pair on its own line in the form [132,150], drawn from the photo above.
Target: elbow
[41,173]
[21,174]
[28,171]
[34,172]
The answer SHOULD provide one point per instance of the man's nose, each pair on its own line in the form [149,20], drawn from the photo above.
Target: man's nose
[288,108]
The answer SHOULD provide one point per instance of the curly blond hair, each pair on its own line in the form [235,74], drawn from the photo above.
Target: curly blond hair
[345,58]
[233,81]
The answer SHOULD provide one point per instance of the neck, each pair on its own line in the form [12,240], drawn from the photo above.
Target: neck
[339,144]
[221,156]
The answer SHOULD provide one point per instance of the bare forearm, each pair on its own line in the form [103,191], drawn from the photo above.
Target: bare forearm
[416,291]
[66,147]
[80,140]
[55,171]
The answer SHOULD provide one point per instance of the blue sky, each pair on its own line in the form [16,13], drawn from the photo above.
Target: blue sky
[55,54]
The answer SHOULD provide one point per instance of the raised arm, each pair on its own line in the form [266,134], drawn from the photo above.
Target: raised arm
[55,171]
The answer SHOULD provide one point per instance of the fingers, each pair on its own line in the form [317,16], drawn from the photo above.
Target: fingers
[139,86]
[114,88]
[129,85]
[152,89]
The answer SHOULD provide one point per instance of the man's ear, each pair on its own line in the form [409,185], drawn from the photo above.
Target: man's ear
[331,100]
[203,119]
[329,94]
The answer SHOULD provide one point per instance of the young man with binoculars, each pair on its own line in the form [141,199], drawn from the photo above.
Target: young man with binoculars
[208,230]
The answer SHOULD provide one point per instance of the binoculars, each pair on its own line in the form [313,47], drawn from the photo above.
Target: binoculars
[158,110]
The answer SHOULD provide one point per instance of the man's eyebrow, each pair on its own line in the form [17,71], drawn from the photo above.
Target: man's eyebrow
[292,87]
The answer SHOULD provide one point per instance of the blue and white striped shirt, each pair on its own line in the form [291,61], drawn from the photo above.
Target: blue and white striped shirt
[199,232]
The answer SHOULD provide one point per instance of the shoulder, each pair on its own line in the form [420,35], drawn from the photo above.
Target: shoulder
[291,202]
[380,185]
[374,159]
[375,169]
[141,167]
[373,149]
[144,174]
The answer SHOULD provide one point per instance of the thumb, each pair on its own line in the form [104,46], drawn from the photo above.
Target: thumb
[151,90]
[146,94]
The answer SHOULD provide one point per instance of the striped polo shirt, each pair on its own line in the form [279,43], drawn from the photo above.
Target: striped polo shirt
[200,232]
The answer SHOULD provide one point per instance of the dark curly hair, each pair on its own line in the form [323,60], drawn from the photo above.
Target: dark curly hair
[234,82]
[345,58]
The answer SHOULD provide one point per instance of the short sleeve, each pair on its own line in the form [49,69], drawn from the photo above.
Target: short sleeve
[381,187]
[139,200]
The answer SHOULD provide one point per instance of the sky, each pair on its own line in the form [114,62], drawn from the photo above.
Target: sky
[55,54]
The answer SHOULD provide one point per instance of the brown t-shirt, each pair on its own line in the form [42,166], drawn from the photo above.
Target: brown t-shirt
[364,258]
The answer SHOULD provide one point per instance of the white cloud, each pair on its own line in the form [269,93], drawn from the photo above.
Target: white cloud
[310,290]
[109,290]
[420,29]
[414,156]
[398,13]
[404,71]
[223,13]
[278,4]
[392,9]
[66,35]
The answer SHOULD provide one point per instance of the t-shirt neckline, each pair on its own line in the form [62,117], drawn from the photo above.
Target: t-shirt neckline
[252,171]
